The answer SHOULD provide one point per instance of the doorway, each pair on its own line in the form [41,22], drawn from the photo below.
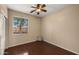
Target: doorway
[2,34]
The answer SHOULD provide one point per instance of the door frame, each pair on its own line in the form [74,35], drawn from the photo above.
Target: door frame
[3,35]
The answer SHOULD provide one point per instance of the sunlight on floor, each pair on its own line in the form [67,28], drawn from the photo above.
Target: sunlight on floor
[26,53]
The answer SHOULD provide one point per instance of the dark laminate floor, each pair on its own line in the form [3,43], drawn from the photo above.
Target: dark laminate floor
[37,48]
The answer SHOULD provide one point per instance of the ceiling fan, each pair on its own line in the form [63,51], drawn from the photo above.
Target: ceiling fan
[38,8]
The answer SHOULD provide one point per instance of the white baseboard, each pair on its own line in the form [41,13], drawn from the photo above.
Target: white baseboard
[62,47]
[20,44]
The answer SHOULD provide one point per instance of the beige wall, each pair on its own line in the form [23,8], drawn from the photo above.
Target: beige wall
[62,28]
[33,30]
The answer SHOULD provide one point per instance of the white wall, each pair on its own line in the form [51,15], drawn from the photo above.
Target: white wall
[3,10]
[33,30]
[62,28]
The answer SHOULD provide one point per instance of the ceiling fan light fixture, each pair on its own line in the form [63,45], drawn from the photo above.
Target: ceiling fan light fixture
[38,10]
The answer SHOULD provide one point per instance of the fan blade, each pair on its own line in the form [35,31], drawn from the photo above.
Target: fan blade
[32,11]
[43,10]
[43,5]
[38,5]
[38,13]
[33,7]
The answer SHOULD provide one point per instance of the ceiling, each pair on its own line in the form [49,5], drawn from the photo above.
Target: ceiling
[26,8]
